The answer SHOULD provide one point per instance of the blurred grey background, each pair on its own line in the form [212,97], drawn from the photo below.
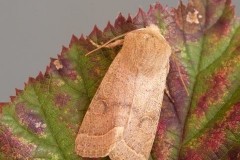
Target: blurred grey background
[32,31]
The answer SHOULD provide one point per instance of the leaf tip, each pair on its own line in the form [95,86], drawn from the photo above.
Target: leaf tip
[82,38]
[109,29]
[12,98]
[40,76]
[48,69]
[2,104]
[96,33]
[31,80]
[18,91]
[74,40]
[119,20]
[129,18]
[141,19]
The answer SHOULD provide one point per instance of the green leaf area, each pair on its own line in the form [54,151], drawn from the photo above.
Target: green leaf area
[202,121]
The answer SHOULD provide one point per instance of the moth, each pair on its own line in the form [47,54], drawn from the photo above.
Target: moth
[122,118]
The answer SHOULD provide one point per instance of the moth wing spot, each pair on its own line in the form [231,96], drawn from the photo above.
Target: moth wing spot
[100,107]
[121,112]
[145,124]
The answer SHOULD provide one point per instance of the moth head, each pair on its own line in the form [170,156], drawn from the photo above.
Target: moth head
[146,49]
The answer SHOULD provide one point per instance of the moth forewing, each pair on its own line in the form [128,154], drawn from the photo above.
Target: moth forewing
[123,115]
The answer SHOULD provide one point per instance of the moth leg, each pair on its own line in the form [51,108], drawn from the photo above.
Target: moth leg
[166,91]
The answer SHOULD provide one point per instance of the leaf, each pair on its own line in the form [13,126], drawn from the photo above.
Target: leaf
[41,122]
[204,125]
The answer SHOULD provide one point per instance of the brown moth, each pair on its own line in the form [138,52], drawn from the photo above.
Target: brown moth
[122,118]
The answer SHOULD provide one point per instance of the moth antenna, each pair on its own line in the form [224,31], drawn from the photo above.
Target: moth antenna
[95,44]
[105,44]
[180,74]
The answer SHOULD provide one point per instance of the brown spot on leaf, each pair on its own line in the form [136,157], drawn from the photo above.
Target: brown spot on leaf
[214,139]
[62,99]
[30,119]
[193,17]
[218,84]
[65,68]
[223,25]
[189,19]
[58,64]
[14,147]
[233,118]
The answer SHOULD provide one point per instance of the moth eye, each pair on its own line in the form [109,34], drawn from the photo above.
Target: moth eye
[99,107]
